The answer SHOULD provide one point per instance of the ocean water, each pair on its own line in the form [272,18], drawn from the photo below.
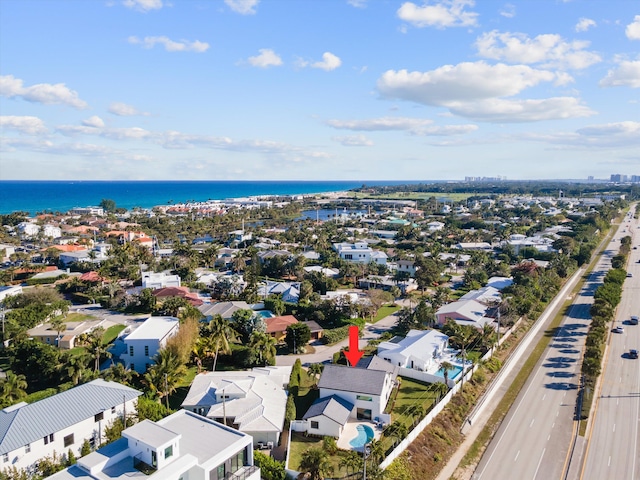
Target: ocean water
[39,196]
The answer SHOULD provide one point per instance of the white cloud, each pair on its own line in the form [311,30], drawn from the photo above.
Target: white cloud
[143,5]
[415,126]
[550,50]
[170,45]
[498,110]
[243,7]
[124,110]
[45,93]
[585,24]
[93,121]
[357,3]
[619,134]
[354,141]
[380,124]
[474,90]
[445,13]
[468,81]
[266,58]
[627,74]
[23,124]
[633,29]
[329,62]
[508,11]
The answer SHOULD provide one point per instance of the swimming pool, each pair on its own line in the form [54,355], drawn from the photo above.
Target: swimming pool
[265,313]
[453,372]
[365,435]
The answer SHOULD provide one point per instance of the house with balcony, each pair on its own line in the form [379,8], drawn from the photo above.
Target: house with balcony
[62,422]
[253,402]
[359,252]
[159,280]
[367,390]
[183,445]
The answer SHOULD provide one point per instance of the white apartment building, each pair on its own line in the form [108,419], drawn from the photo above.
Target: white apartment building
[144,342]
[182,446]
[159,280]
[359,252]
[62,422]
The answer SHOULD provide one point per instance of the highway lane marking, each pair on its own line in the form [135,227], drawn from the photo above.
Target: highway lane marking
[544,396]
[516,456]
[609,462]
[554,424]
[539,463]
[548,437]
[558,413]
[614,427]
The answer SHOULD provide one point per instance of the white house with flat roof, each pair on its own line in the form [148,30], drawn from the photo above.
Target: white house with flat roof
[144,342]
[182,446]
[464,312]
[419,350]
[359,252]
[159,280]
[62,422]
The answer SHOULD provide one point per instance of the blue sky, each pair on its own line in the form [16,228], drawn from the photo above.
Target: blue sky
[318,89]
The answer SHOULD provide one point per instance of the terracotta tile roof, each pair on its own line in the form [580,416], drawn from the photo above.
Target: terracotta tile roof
[70,248]
[279,324]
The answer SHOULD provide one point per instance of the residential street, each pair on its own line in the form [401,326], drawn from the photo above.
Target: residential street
[325,352]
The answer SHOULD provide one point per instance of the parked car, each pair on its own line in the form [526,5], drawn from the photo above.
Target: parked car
[633,353]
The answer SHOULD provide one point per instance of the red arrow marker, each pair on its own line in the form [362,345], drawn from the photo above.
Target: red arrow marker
[353,354]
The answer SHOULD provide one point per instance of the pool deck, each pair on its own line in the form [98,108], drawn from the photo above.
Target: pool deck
[350,432]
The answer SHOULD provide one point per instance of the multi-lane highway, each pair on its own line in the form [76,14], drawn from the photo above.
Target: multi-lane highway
[614,439]
[534,438]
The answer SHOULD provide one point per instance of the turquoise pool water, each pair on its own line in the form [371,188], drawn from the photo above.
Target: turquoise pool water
[265,313]
[365,435]
[453,372]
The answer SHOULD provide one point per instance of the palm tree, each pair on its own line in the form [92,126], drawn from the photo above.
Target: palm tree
[315,462]
[315,369]
[97,347]
[351,461]
[264,346]
[13,388]
[57,323]
[446,366]
[439,389]
[415,410]
[75,366]
[376,450]
[119,373]
[165,375]
[220,333]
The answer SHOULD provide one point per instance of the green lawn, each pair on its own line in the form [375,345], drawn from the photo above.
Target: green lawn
[112,333]
[300,444]
[411,392]
[385,311]
[307,394]
[79,317]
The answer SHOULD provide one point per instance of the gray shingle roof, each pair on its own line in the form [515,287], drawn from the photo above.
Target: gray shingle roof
[357,380]
[26,424]
[333,407]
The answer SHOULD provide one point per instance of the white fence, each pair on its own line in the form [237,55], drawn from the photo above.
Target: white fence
[413,434]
